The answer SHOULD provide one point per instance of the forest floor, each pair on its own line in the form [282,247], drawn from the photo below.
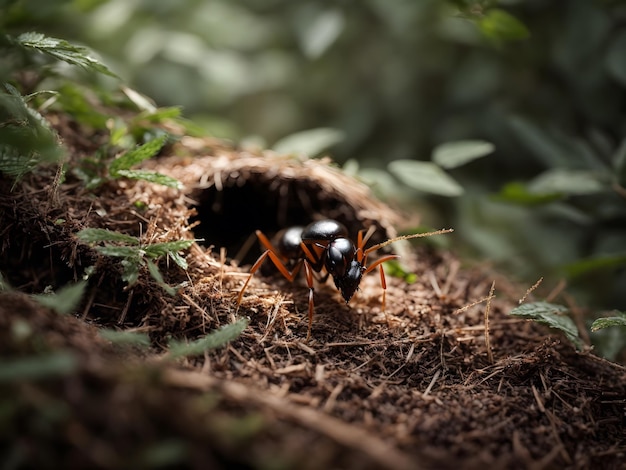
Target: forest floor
[443,378]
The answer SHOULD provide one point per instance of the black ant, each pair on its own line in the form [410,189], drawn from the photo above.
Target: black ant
[324,245]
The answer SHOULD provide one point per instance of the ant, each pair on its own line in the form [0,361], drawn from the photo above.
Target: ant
[324,245]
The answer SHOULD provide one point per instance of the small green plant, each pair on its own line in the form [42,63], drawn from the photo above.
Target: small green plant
[26,138]
[134,255]
[618,320]
[555,316]
[122,166]
[552,315]
[60,50]
[38,367]
[118,337]
[213,340]
[394,268]
[65,300]
[62,302]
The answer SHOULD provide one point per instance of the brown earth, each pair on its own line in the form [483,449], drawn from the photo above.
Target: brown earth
[444,378]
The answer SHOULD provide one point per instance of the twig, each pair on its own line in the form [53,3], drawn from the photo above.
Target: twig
[538,399]
[406,361]
[271,318]
[554,293]
[434,284]
[122,317]
[487,310]
[205,315]
[473,304]
[532,288]
[89,303]
[432,383]
[332,398]
[578,316]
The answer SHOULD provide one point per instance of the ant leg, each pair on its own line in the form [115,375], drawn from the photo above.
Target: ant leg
[314,255]
[361,241]
[383,282]
[276,259]
[253,269]
[309,282]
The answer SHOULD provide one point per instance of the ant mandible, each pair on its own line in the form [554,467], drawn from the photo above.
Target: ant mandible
[324,245]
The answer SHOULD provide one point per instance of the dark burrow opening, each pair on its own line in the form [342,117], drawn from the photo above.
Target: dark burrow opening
[30,266]
[228,217]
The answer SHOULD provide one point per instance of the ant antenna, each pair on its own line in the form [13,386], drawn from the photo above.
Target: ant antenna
[407,237]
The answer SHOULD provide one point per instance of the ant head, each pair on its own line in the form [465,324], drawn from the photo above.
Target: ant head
[349,282]
[342,264]
[339,254]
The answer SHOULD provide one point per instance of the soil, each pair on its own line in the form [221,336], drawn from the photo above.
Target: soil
[443,378]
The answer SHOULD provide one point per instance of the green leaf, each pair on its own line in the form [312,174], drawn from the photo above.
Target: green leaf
[62,50]
[158,277]
[158,116]
[14,164]
[26,139]
[178,259]
[121,251]
[616,58]
[540,142]
[65,300]
[161,249]
[425,176]
[130,270]
[95,235]
[619,163]
[551,315]
[310,142]
[137,155]
[517,193]
[609,342]
[395,269]
[74,100]
[380,182]
[499,26]
[213,340]
[319,32]
[591,264]
[570,182]
[125,337]
[151,177]
[606,322]
[454,154]
[51,364]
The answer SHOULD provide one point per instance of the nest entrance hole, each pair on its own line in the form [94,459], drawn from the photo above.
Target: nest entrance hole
[32,265]
[228,217]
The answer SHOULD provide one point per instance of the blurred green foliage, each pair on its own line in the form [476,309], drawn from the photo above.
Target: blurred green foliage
[389,84]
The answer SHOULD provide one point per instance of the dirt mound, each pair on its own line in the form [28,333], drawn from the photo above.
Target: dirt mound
[425,384]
